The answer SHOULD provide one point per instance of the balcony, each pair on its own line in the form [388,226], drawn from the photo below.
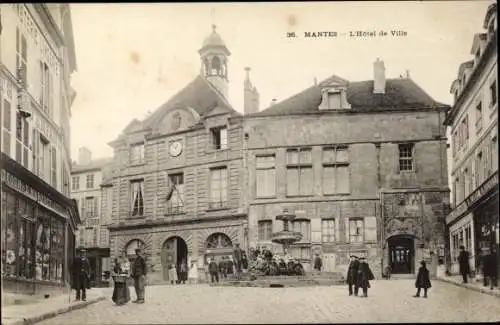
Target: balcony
[217,205]
[172,210]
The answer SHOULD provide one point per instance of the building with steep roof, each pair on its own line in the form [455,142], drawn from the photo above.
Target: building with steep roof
[176,188]
[473,122]
[362,166]
[39,219]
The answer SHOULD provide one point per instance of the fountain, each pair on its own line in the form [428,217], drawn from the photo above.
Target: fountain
[276,271]
[286,237]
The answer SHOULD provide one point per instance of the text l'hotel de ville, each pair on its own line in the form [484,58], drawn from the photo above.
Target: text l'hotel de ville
[348,34]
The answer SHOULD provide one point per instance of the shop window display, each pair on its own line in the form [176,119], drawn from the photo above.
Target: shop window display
[57,249]
[9,251]
[26,229]
[42,246]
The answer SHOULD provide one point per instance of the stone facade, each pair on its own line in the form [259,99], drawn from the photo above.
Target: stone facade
[371,140]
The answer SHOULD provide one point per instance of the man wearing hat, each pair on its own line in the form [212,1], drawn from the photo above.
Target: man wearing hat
[139,270]
[352,273]
[81,274]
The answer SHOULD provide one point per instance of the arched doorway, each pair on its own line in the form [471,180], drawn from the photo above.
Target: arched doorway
[401,254]
[174,251]
[218,245]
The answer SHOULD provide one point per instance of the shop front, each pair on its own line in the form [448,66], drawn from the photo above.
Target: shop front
[474,224]
[37,232]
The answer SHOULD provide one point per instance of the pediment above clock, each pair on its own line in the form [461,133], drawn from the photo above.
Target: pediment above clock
[178,119]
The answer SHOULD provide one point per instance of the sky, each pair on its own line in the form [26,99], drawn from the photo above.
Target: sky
[132,58]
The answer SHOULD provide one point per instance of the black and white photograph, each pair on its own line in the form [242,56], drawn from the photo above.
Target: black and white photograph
[249,162]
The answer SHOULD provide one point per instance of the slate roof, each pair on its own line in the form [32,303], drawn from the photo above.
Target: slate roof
[400,94]
[199,95]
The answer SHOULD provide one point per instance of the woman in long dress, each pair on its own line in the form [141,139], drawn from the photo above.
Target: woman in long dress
[193,274]
[121,292]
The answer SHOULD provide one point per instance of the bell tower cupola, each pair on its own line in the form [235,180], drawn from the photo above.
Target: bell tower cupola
[214,61]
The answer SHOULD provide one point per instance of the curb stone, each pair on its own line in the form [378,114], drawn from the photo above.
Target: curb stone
[51,314]
[488,291]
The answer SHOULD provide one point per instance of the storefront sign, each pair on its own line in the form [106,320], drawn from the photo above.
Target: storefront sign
[482,190]
[29,191]
[457,212]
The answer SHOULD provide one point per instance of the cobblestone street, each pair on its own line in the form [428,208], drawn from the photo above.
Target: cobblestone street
[388,301]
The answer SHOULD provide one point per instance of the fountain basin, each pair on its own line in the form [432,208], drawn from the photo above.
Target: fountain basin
[286,237]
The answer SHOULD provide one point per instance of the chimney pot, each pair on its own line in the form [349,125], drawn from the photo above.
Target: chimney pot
[379,77]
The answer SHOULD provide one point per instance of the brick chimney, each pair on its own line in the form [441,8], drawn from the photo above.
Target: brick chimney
[84,156]
[378,77]
[250,95]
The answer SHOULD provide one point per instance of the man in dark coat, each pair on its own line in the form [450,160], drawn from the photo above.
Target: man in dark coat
[463,263]
[237,256]
[489,269]
[214,271]
[364,276]
[81,275]
[139,271]
[352,272]
[318,263]
[223,267]
[423,280]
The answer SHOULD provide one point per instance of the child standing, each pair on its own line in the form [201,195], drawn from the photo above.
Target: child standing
[423,280]
[172,274]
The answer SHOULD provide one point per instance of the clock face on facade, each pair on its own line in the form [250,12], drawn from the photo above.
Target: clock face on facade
[175,148]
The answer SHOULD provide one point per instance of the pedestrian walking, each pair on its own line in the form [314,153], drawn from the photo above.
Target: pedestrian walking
[214,271]
[463,263]
[193,273]
[352,273]
[364,277]
[318,263]
[172,274]
[489,269]
[139,271]
[423,280]
[81,275]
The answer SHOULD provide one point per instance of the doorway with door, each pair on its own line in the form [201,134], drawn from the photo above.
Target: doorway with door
[401,254]
[174,252]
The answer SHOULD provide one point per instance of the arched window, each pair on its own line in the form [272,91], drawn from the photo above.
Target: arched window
[216,66]
[206,66]
[218,240]
[131,247]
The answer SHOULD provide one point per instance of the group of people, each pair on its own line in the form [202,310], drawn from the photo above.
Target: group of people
[181,273]
[359,275]
[226,265]
[488,265]
[122,271]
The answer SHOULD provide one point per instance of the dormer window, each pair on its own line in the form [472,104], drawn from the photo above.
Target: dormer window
[477,56]
[219,138]
[334,98]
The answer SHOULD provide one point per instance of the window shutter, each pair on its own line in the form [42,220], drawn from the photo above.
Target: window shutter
[396,158]
[96,206]
[346,229]
[370,229]
[82,207]
[415,156]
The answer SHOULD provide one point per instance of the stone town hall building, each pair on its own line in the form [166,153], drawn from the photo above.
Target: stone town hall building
[190,142]
[361,164]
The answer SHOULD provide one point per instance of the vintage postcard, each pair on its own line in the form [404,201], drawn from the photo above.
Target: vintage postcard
[265,162]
